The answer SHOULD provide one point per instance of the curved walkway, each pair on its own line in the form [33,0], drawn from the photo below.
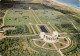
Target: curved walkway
[56,48]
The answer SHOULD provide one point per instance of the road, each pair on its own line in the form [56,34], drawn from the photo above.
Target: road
[32,28]
[52,26]
[33,16]
[22,35]
[58,50]
[4,17]
[71,22]
[36,35]
[36,16]
[69,33]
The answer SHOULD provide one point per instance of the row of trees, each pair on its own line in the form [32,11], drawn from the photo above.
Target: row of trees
[76,51]
[66,27]
[14,47]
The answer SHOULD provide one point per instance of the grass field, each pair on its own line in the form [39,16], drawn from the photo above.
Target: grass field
[52,16]
[36,30]
[30,29]
[40,14]
[58,20]
[75,20]
[33,1]
[40,43]
[21,16]
[18,17]
[51,28]
[63,40]
[49,45]
[66,28]
[60,45]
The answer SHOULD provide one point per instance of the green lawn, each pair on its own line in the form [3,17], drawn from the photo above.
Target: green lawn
[66,28]
[19,17]
[75,20]
[58,20]
[59,45]
[35,28]
[49,45]
[63,40]
[23,17]
[40,43]
[51,28]
[52,16]
[30,29]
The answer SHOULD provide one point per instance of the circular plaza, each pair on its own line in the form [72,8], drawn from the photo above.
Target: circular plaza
[52,42]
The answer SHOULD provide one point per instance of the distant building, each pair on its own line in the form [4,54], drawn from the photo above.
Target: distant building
[49,38]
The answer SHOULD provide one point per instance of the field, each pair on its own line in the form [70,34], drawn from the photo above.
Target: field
[60,45]
[51,16]
[63,40]
[49,45]
[18,17]
[37,14]
[40,42]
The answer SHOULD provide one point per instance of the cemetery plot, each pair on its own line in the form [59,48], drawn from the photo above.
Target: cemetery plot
[18,17]
[51,16]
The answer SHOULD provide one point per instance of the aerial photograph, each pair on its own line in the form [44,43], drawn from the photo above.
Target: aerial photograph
[39,27]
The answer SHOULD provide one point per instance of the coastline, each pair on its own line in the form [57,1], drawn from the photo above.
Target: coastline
[64,4]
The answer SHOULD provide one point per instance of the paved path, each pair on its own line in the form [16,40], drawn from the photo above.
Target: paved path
[58,50]
[51,1]
[21,35]
[32,28]
[72,23]
[44,44]
[69,33]
[44,25]
[42,47]
[38,28]
[55,46]
[61,42]
[4,17]
[33,16]
[48,29]
[51,26]
[69,42]
[36,16]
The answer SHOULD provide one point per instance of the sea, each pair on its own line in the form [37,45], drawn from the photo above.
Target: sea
[74,3]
